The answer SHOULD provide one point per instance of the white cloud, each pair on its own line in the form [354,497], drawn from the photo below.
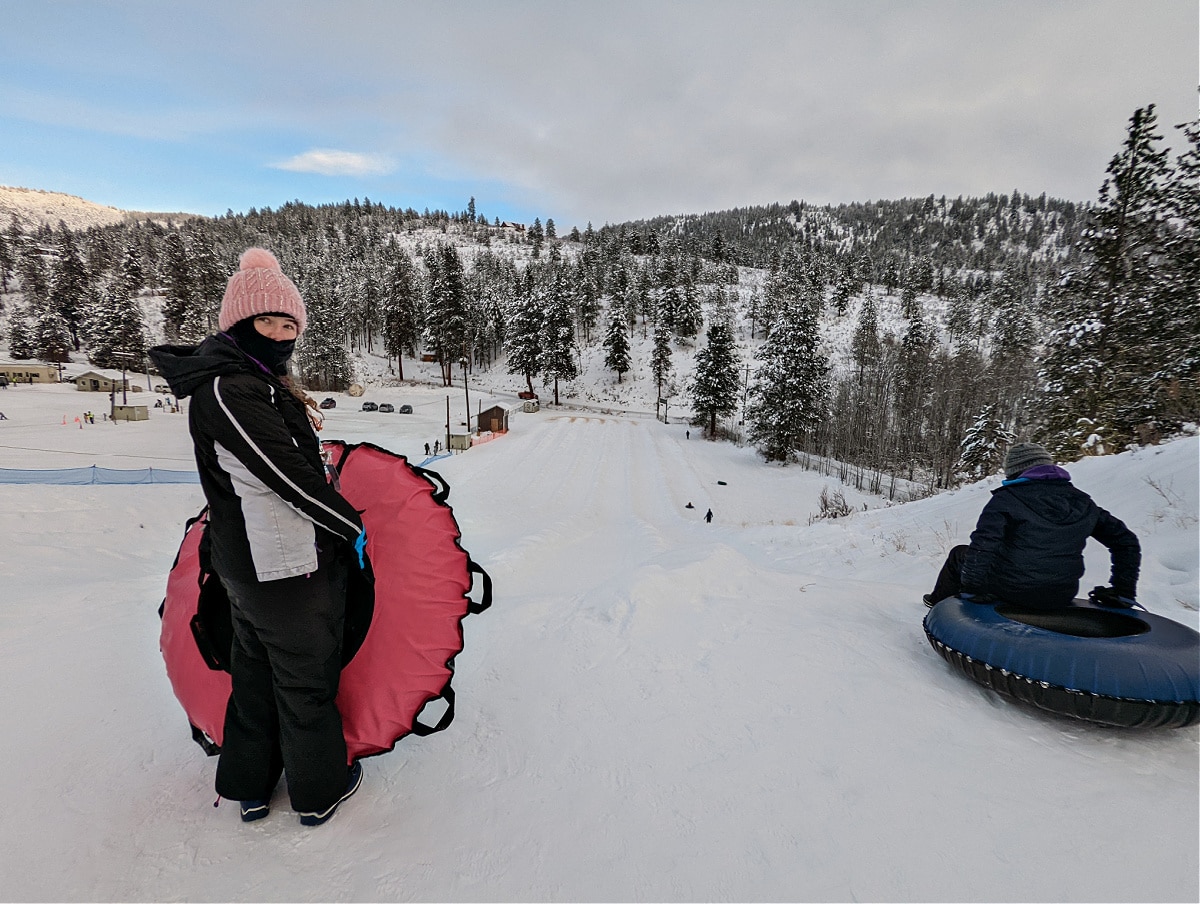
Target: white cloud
[327,162]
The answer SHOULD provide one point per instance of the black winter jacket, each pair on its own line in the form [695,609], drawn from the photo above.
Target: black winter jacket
[259,461]
[1028,544]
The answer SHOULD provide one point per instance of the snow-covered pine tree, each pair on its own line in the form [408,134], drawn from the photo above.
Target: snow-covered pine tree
[983,446]
[132,269]
[1176,384]
[790,395]
[21,344]
[864,346]
[322,359]
[1099,362]
[399,307]
[616,342]
[117,333]
[660,362]
[558,331]
[523,330]
[688,316]
[35,285]
[716,383]
[68,282]
[177,286]
[446,317]
[208,283]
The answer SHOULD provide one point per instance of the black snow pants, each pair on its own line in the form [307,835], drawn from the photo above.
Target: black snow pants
[949,579]
[282,716]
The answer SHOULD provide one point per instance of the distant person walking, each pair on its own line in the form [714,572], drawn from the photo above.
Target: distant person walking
[708,517]
[427,448]
[281,540]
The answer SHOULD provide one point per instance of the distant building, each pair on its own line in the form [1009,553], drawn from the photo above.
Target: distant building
[29,373]
[494,419]
[130,413]
[93,381]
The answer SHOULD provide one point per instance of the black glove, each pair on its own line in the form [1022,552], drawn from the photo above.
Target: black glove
[1112,598]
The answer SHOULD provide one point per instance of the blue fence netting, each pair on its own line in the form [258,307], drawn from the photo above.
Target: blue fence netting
[95,475]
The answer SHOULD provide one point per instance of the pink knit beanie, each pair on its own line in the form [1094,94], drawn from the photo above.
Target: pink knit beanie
[259,287]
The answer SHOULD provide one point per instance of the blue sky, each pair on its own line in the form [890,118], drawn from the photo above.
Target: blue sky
[579,111]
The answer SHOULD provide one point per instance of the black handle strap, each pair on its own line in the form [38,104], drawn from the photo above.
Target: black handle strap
[439,495]
[476,606]
[422,730]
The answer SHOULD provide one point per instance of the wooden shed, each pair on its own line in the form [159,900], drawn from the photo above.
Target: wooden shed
[494,419]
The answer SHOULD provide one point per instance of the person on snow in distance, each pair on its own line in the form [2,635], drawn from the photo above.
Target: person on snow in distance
[1028,545]
[280,537]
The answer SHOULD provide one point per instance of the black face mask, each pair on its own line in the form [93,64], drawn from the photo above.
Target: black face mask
[271,353]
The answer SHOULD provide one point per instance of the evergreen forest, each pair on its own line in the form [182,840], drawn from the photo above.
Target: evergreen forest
[910,338]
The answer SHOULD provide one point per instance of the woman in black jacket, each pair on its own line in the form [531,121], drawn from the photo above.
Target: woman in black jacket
[1028,545]
[277,532]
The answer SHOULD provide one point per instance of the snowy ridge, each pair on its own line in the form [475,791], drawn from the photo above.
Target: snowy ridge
[33,208]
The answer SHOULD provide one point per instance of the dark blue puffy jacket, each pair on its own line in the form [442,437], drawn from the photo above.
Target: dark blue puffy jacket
[1028,545]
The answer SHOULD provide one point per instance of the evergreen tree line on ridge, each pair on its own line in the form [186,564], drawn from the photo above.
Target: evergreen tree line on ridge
[966,322]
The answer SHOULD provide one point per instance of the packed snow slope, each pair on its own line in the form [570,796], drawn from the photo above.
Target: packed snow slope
[655,708]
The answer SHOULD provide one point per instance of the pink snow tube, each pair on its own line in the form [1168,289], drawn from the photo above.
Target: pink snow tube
[402,634]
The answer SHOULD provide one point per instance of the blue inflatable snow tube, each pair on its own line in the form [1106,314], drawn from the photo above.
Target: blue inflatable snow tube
[1121,667]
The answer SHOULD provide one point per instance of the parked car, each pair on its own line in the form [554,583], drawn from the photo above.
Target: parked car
[386,408]
[370,406]
[527,395]
[162,387]
[405,409]
[328,403]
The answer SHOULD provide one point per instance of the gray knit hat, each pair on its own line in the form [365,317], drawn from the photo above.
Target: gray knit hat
[1023,456]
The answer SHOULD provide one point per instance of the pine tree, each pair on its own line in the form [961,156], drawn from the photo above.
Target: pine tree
[446,320]
[716,384]
[616,342]
[177,285]
[399,309]
[1175,385]
[558,343]
[864,347]
[984,445]
[1100,362]
[68,283]
[523,331]
[132,270]
[322,358]
[34,284]
[21,343]
[117,332]
[790,395]
[660,362]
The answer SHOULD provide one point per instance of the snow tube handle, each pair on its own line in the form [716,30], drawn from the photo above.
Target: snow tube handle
[474,607]
[422,730]
[439,495]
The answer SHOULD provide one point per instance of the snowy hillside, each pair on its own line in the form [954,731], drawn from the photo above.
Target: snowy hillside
[655,708]
[33,208]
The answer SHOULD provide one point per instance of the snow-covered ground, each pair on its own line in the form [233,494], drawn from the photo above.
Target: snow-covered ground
[655,708]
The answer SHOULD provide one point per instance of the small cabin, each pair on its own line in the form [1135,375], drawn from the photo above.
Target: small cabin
[93,381]
[494,419]
[460,442]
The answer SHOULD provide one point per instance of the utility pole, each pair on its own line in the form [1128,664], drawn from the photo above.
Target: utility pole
[464,362]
